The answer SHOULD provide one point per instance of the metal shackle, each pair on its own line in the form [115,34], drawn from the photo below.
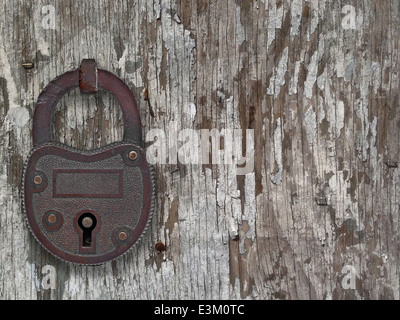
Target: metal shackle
[89,78]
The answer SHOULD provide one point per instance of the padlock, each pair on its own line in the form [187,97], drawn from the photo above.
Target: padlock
[87,206]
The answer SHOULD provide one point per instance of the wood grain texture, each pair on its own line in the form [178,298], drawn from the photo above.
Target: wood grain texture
[316,80]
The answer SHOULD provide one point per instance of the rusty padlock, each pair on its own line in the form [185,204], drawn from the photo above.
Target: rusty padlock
[87,206]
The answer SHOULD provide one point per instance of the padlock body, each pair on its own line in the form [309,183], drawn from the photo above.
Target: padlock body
[88,207]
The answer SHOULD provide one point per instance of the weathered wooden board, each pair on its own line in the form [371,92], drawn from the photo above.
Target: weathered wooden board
[315,81]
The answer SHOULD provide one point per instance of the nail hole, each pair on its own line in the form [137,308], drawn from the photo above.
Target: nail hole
[160,246]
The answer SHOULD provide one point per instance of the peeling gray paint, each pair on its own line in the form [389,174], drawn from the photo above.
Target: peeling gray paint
[274,21]
[310,125]
[294,79]
[311,75]
[18,116]
[277,177]
[350,66]
[278,80]
[296,14]
[240,32]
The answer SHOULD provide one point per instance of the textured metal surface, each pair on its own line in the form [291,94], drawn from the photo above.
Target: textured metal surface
[54,220]
[87,207]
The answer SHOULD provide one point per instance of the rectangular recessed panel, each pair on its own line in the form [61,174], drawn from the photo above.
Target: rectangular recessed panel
[87,183]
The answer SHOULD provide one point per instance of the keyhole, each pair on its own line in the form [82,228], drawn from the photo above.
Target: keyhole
[87,222]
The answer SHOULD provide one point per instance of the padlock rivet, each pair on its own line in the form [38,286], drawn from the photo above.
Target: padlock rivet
[37,179]
[122,236]
[52,218]
[133,155]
